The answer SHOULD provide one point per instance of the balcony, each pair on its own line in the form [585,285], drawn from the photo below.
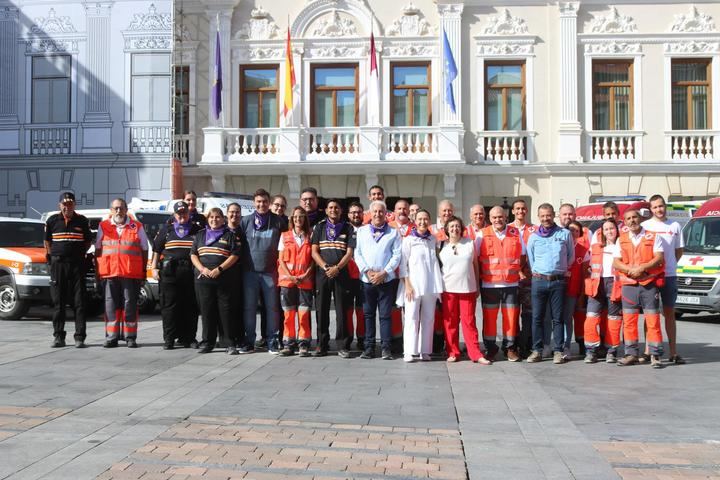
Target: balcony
[614,146]
[505,146]
[50,139]
[692,145]
[149,137]
[333,144]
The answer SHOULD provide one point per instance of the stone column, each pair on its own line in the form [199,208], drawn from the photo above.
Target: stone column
[450,22]
[223,15]
[570,130]
[8,65]
[97,108]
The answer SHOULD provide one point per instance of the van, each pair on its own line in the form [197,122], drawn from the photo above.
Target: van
[591,215]
[698,271]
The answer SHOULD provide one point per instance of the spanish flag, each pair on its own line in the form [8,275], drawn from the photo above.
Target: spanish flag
[289,77]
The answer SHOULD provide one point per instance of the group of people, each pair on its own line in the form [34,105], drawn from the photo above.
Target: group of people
[418,278]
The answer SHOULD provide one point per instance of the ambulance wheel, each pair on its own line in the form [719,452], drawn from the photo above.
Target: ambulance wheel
[146,301]
[11,307]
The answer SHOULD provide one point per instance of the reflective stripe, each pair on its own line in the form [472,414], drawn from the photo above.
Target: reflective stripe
[130,252]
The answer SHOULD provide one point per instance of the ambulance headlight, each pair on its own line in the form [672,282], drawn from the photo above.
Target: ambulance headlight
[35,268]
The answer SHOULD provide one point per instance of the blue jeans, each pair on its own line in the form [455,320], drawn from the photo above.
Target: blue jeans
[379,297]
[546,293]
[255,283]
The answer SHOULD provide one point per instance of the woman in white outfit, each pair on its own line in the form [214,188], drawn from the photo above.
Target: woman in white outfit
[422,281]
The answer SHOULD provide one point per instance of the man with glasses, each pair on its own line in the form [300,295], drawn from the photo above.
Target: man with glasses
[121,252]
[309,203]
[67,238]
[355,292]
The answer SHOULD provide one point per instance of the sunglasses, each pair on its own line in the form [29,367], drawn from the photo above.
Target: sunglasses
[454,249]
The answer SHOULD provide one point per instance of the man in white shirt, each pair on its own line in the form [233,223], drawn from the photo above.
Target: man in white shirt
[670,233]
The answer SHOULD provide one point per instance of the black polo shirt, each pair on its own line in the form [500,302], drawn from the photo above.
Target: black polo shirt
[333,251]
[69,240]
[168,244]
[213,255]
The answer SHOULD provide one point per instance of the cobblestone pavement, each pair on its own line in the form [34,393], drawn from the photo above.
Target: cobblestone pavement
[154,414]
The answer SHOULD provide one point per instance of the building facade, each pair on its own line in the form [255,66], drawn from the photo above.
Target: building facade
[85,102]
[555,101]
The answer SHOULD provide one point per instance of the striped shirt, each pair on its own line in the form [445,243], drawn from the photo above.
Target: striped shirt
[168,244]
[332,251]
[213,255]
[68,239]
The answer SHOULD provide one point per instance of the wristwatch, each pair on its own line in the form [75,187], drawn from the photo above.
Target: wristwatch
[220,269]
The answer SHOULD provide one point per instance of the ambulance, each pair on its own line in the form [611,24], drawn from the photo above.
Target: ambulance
[24,273]
[698,271]
[591,215]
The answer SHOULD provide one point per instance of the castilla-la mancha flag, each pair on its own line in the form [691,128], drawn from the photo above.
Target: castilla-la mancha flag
[289,77]
[373,97]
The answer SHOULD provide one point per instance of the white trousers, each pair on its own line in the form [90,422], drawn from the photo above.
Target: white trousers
[418,328]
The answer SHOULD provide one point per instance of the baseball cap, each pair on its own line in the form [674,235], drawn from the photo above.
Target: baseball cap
[180,206]
[67,197]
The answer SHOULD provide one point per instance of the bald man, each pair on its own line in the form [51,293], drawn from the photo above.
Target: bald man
[445,211]
[477,222]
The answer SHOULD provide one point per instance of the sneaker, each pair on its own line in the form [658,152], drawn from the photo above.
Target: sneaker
[80,344]
[303,352]
[319,352]
[194,344]
[547,351]
[566,354]
[273,351]
[131,343]
[169,345]
[512,355]
[535,357]
[425,357]
[610,358]
[655,362]
[628,360]
[677,360]
[344,353]
[368,353]
[262,343]
[387,354]
[451,359]
[558,358]
[287,352]
[483,361]
[590,358]
[408,358]
[58,342]
[246,349]
[231,350]
[110,344]
[206,348]
[644,358]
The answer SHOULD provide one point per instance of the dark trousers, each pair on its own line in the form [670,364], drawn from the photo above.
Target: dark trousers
[216,301]
[263,319]
[547,294]
[379,298]
[178,305]
[67,286]
[525,298]
[326,288]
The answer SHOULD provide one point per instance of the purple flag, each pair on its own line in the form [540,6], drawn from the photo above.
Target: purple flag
[217,83]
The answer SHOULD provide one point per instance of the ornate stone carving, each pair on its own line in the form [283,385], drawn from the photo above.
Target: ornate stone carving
[51,46]
[148,43]
[516,49]
[613,47]
[337,52]
[693,47]
[410,51]
[260,27]
[9,13]
[182,33]
[266,53]
[613,22]
[52,24]
[335,26]
[693,22]
[568,9]
[505,24]
[151,21]
[411,24]
[451,10]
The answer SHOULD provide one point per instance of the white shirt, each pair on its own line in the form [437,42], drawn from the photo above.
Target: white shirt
[501,236]
[636,239]
[419,262]
[671,235]
[144,245]
[457,269]
[607,261]
[299,240]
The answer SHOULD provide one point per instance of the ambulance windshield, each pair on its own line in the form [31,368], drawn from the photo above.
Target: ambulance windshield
[702,235]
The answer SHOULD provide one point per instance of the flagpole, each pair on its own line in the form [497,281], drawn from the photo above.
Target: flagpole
[222,92]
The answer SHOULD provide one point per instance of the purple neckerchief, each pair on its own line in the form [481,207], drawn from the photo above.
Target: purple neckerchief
[423,236]
[332,230]
[546,232]
[182,230]
[211,234]
[261,220]
[377,233]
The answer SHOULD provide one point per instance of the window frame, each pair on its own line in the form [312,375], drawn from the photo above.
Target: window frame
[630,63]
[411,90]
[181,93]
[688,84]
[313,89]
[152,77]
[259,91]
[503,87]
[69,78]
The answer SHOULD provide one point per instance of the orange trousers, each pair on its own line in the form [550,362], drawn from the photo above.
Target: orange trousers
[500,300]
[647,297]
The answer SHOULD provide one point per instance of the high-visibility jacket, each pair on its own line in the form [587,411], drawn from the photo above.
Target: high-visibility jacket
[593,282]
[297,260]
[500,259]
[575,283]
[634,256]
[470,232]
[438,233]
[121,256]
[408,228]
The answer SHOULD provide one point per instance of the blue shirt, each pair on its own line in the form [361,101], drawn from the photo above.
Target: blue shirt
[381,255]
[551,255]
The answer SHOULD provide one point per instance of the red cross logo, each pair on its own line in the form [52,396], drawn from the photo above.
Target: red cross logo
[695,260]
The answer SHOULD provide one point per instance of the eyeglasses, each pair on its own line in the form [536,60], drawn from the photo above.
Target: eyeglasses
[307,199]
[279,205]
[117,209]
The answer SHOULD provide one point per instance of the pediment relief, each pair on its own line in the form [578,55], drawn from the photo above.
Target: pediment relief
[412,24]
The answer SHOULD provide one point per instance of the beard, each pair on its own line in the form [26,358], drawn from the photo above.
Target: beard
[119,219]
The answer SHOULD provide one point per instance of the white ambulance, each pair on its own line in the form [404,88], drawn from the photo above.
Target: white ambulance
[698,270]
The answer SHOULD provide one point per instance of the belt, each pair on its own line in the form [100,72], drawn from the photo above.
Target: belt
[549,278]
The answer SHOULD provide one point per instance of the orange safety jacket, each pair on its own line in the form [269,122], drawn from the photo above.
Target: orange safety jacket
[575,286]
[394,224]
[121,256]
[470,232]
[634,256]
[592,283]
[438,233]
[526,232]
[500,259]
[297,260]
